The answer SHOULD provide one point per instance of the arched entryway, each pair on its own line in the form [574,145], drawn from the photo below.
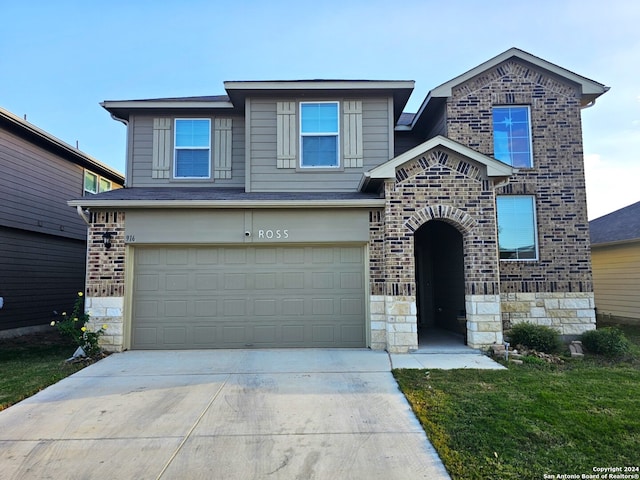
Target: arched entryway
[440,295]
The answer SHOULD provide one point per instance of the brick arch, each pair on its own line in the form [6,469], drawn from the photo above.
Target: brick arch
[458,218]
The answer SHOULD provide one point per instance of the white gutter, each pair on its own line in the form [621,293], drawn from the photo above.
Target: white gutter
[245,204]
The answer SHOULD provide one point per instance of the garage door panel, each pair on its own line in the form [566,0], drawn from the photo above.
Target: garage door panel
[146,337]
[204,335]
[234,307]
[232,297]
[175,308]
[206,308]
[206,282]
[148,282]
[293,306]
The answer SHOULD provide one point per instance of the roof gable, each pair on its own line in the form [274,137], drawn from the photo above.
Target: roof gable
[619,226]
[590,89]
[495,168]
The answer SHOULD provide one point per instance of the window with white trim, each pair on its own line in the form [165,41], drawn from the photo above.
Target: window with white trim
[192,146]
[512,136]
[517,236]
[94,183]
[90,183]
[319,135]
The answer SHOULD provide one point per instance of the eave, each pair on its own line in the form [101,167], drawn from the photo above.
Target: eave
[226,204]
[53,144]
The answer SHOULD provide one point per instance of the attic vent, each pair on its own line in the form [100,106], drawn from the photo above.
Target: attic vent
[442,157]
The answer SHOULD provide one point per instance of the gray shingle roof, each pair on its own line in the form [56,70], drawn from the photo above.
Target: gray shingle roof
[231,194]
[619,226]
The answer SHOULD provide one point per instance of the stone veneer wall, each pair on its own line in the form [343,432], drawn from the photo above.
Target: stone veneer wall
[104,300]
[571,313]
[556,180]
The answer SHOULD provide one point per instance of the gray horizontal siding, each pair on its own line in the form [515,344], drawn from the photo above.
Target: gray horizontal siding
[38,274]
[142,147]
[266,177]
[35,186]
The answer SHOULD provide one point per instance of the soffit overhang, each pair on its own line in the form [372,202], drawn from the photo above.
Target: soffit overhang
[400,90]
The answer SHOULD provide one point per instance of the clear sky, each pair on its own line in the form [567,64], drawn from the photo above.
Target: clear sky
[60,58]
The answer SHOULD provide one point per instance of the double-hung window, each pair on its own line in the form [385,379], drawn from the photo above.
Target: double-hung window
[512,136]
[319,137]
[192,148]
[517,237]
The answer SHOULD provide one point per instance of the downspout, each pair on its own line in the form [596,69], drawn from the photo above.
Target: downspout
[118,119]
[82,214]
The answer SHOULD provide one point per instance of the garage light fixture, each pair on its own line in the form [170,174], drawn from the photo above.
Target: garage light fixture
[106,239]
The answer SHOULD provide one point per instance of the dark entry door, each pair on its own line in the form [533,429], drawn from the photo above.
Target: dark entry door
[440,277]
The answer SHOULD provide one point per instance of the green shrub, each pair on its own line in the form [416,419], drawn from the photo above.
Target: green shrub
[535,337]
[74,326]
[608,341]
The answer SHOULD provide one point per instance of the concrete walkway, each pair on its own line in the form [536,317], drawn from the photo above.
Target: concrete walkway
[232,414]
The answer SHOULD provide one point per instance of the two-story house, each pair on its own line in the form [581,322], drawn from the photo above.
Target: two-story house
[43,243]
[318,214]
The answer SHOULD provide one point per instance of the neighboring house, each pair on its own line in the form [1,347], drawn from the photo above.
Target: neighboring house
[315,213]
[615,256]
[42,241]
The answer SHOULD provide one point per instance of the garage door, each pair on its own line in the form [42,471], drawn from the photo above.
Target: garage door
[228,297]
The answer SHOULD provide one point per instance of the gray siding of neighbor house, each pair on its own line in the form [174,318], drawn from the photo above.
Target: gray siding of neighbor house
[377,136]
[40,273]
[34,188]
[42,240]
[141,148]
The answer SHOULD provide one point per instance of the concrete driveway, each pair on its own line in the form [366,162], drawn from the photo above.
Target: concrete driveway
[232,414]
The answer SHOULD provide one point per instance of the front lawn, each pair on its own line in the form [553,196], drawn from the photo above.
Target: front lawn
[31,363]
[531,420]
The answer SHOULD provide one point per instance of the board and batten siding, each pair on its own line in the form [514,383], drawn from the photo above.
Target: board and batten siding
[616,279]
[265,176]
[144,173]
[35,186]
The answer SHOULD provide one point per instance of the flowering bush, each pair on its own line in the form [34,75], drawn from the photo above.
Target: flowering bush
[74,326]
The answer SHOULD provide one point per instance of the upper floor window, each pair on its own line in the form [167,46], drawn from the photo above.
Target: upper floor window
[517,237]
[512,136]
[192,148]
[95,184]
[319,135]
[105,185]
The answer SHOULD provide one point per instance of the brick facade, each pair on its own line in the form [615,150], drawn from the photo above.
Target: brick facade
[556,179]
[439,185]
[105,285]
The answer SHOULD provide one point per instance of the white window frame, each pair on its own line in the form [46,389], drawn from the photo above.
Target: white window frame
[534,219]
[321,134]
[109,182]
[493,130]
[84,183]
[176,148]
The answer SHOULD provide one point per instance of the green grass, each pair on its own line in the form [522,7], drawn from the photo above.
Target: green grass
[31,363]
[531,419]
